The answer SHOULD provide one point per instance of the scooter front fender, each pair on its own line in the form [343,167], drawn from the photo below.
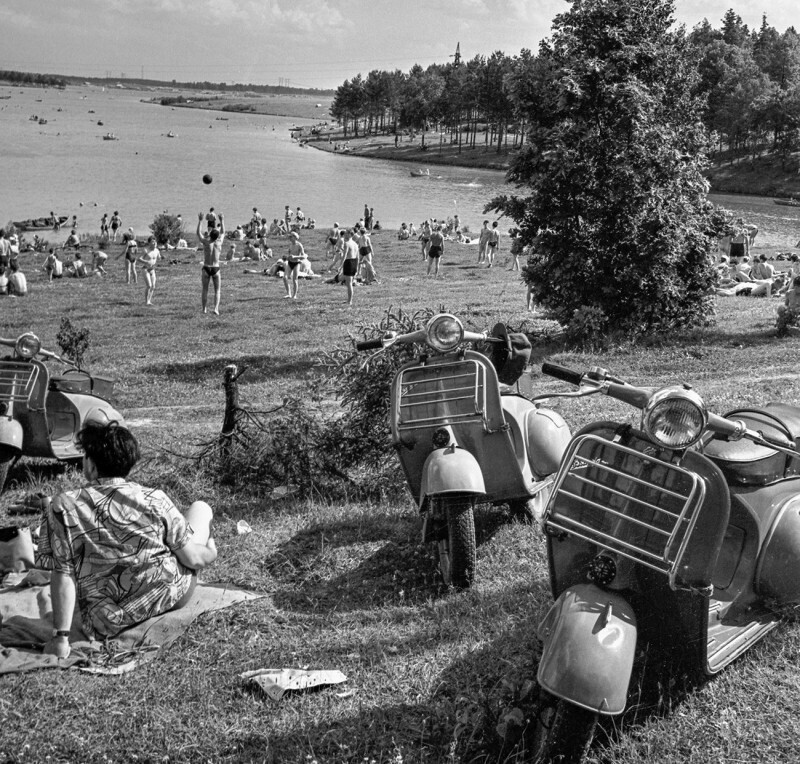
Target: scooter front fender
[589,640]
[451,470]
[10,432]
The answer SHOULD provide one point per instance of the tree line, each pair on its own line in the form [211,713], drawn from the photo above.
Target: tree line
[749,88]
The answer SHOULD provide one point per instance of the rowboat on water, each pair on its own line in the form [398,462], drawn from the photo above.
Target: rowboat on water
[420,173]
[110,137]
[38,223]
[787,202]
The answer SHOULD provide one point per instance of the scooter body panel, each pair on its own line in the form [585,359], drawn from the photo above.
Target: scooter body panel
[589,638]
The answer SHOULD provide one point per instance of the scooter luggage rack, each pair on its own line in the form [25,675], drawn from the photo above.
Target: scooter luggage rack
[437,394]
[17,380]
[626,502]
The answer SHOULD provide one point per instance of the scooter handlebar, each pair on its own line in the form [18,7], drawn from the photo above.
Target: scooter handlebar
[369,345]
[562,373]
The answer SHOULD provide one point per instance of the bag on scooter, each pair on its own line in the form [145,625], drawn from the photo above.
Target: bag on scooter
[510,356]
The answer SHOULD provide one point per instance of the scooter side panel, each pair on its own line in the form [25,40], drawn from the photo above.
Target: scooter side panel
[589,640]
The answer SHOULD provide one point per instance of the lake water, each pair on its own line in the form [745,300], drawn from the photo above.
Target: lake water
[252,159]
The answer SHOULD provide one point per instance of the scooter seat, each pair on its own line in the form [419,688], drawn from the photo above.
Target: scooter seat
[746,463]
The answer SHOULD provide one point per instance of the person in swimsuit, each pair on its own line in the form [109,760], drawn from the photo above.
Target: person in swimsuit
[296,255]
[99,261]
[435,251]
[425,238]
[333,238]
[129,253]
[349,263]
[73,240]
[104,226]
[365,253]
[149,259]
[483,242]
[116,222]
[740,241]
[212,241]
[492,244]
[53,266]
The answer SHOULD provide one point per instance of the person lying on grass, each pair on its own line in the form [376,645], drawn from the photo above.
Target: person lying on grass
[122,552]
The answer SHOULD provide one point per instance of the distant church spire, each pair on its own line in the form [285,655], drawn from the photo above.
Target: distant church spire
[457,57]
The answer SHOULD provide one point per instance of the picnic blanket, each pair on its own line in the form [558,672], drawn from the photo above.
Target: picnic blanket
[26,624]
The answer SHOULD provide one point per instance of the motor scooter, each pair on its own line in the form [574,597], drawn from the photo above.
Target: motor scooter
[40,413]
[681,533]
[462,436]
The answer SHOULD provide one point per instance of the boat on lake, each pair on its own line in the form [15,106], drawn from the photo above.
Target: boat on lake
[110,137]
[420,173]
[788,202]
[170,134]
[38,223]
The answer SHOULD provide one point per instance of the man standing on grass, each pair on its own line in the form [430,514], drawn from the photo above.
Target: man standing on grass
[211,241]
[483,242]
[350,263]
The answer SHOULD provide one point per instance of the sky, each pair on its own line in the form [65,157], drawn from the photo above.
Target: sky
[302,43]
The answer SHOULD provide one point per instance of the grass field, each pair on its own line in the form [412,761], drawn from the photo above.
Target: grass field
[436,676]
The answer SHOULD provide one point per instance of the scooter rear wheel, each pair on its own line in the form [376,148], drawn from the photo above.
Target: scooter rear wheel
[8,456]
[457,554]
[563,731]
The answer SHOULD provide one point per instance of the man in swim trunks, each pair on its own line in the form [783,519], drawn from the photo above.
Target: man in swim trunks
[483,242]
[435,251]
[116,222]
[212,241]
[349,263]
[104,226]
[296,255]
[149,259]
[333,238]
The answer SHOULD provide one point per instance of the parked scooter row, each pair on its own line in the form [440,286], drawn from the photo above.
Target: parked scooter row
[683,531]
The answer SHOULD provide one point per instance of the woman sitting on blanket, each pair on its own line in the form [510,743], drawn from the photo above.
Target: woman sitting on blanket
[123,552]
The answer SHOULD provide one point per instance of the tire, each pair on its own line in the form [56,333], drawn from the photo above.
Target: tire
[457,556]
[7,457]
[563,732]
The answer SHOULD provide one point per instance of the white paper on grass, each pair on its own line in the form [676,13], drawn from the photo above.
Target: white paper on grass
[276,682]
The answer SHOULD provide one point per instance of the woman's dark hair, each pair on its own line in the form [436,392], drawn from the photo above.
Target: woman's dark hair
[112,447]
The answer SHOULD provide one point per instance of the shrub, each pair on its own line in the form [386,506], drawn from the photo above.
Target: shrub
[331,442]
[73,342]
[167,229]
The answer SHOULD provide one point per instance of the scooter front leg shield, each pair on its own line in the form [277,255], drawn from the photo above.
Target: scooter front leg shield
[451,470]
[10,433]
[589,640]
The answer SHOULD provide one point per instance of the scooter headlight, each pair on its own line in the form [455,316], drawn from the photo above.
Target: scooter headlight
[444,332]
[675,417]
[27,346]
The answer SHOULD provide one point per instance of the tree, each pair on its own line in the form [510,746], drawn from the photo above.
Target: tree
[621,230]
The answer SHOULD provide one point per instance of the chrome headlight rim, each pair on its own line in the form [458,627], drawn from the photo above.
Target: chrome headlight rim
[27,346]
[664,402]
[437,327]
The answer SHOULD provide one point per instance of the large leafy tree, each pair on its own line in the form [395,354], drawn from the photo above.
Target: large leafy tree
[621,229]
